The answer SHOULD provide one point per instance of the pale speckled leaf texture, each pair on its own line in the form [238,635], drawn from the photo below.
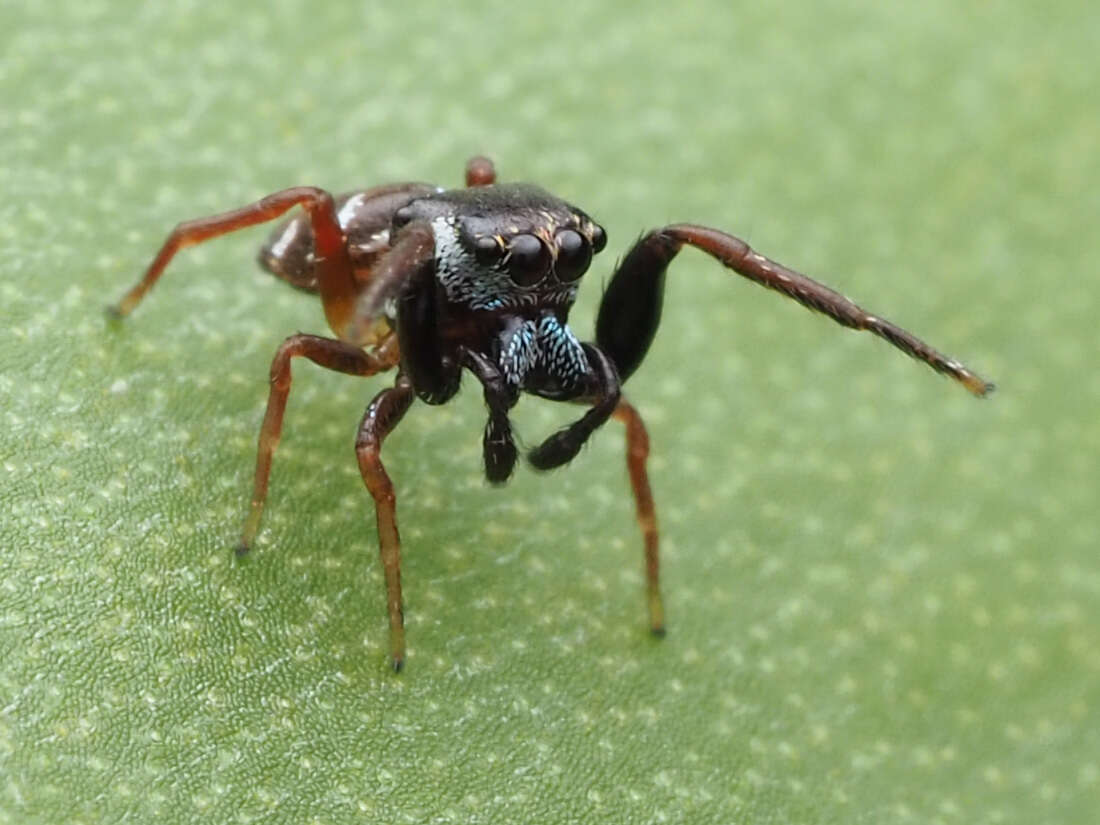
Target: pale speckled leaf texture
[883,595]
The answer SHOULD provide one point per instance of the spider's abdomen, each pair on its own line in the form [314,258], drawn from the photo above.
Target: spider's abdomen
[365,217]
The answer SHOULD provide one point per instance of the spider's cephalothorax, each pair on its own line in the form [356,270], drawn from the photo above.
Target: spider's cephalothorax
[434,282]
[508,259]
[506,246]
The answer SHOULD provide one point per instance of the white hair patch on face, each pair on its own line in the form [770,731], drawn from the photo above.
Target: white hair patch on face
[463,279]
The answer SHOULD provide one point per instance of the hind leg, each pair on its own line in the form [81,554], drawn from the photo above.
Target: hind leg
[335,276]
[383,414]
[637,451]
[334,355]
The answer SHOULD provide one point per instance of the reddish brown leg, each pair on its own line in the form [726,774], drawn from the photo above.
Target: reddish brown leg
[334,272]
[637,451]
[335,355]
[480,171]
[383,414]
[738,256]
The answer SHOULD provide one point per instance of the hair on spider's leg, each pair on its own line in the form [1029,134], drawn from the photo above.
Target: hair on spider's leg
[631,308]
[498,445]
[916,348]
[382,415]
[637,451]
[326,352]
[563,446]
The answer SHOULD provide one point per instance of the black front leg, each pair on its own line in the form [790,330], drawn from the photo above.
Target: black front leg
[563,446]
[630,311]
[631,308]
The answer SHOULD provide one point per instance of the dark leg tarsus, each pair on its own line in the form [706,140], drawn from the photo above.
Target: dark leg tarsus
[499,446]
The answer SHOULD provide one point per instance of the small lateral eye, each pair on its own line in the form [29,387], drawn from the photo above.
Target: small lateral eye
[574,255]
[528,260]
[599,239]
[487,250]
[402,216]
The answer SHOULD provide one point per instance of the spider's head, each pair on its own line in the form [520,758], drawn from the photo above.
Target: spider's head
[507,246]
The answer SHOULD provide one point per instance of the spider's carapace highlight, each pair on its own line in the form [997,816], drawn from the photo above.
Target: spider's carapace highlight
[433,282]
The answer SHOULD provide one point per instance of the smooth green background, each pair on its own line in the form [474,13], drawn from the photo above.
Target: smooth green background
[882,594]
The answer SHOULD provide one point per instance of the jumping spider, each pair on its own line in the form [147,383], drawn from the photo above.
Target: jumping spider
[434,281]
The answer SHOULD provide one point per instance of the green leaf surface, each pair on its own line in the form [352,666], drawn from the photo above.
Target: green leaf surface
[883,596]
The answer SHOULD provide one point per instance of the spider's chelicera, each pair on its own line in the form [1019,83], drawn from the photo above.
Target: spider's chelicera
[433,282]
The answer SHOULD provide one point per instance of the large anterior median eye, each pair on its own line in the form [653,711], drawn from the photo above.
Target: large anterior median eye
[528,260]
[574,255]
